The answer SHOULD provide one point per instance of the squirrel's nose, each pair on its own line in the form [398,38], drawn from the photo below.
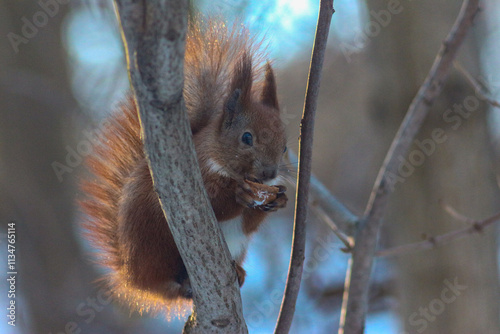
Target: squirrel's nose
[269,173]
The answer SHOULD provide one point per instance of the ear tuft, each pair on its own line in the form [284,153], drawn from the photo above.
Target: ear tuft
[269,95]
[242,78]
[231,108]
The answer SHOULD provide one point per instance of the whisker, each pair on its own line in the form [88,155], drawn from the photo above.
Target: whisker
[289,179]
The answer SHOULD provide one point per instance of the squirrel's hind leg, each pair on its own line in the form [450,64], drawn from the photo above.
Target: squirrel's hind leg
[185,289]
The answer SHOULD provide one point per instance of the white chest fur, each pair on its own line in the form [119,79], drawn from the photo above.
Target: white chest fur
[236,240]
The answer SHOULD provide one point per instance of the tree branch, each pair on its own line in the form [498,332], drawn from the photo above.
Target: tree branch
[358,276]
[154,34]
[346,240]
[432,242]
[344,219]
[303,180]
[336,212]
[478,88]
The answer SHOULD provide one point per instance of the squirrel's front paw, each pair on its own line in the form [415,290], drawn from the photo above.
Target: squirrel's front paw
[263,197]
[244,195]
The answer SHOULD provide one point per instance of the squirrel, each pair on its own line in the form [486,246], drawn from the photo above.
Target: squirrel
[239,138]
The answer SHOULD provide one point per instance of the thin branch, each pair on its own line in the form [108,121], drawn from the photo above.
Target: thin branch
[154,36]
[333,208]
[346,240]
[478,88]
[337,212]
[439,240]
[358,276]
[303,180]
[458,216]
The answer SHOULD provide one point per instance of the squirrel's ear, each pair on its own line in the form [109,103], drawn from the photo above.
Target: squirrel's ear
[231,108]
[242,79]
[269,96]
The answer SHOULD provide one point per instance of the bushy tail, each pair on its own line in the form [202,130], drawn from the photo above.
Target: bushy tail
[113,159]
[118,152]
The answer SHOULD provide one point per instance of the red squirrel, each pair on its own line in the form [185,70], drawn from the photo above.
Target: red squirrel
[231,100]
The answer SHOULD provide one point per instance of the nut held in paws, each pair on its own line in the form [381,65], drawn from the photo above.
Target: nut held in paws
[262,193]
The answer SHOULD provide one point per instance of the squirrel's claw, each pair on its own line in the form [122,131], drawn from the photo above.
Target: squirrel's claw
[281,189]
[240,272]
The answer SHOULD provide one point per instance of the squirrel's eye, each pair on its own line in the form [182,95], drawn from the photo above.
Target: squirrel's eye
[247,138]
[284,151]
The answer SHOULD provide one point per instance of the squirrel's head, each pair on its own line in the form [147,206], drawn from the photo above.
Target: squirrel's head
[251,130]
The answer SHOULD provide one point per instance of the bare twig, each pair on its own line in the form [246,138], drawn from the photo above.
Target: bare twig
[154,36]
[458,216]
[346,240]
[303,180]
[337,212]
[478,88]
[334,209]
[442,239]
[358,276]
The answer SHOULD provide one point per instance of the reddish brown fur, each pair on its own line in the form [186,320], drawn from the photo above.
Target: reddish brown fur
[125,220]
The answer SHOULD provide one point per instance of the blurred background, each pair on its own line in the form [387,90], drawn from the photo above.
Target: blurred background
[62,70]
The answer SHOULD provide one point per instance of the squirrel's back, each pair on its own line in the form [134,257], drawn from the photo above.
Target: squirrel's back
[212,52]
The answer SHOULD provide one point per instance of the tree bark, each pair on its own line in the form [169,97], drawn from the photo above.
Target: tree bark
[154,35]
